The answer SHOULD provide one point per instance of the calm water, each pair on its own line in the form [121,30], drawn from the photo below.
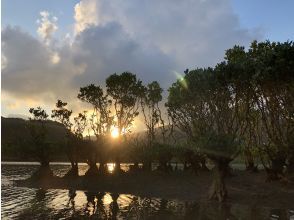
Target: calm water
[26,203]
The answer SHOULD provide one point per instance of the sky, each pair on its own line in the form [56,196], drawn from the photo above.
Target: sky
[50,48]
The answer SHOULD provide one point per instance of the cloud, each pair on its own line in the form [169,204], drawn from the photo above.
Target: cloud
[33,70]
[85,15]
[194,32]
[55,58]
[48,74]
[3,61]
[154,39]
[47,26]
[109,49]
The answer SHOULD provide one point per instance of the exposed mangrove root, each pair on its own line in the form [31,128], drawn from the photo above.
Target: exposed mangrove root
[218,189]
[147,166]
[72,173]
[92,171]
[117,169]
[290,164]
[135,167]
[103,169]
[251,167]
[44,172]
[276,170]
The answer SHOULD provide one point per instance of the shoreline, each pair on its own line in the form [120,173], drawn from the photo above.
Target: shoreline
[239,166]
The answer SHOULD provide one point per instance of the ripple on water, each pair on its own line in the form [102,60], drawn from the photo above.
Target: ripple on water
[26,203]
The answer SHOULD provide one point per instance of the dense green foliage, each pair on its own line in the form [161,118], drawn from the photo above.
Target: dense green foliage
[245,101]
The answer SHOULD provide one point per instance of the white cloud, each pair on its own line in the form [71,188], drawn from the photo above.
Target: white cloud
[3,61]
[194,32]
[47,26]
[85,15]
[55,58]
[35,71]
[44,14]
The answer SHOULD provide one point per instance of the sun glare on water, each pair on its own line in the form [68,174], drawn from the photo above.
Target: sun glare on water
[111,167]
[114,132]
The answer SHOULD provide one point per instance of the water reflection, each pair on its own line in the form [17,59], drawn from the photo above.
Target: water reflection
[110,167]
[114,208]
[104,205]
[25,203]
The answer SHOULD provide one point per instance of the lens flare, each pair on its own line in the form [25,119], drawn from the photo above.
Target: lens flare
[181,79]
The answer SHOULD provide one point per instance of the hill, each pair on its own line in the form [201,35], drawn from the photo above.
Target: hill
[15,139]
[173,138]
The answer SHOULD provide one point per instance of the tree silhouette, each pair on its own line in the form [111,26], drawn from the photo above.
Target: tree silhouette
[126,92]
[41,149]
[151,110]
[152,115]
[101,122]
[62,114]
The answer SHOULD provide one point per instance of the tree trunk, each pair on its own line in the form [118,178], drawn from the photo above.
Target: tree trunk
[43,172]
[290,165]
[72,154]
[186,167]
[73,172]
[102,167]
[117,168]
[176,167]
[249,161]
[195,166]
[163,166]
[44,158]
[250,166]
[218,189]
[93,169]
[44,163]
[147,166]
[203,165]
[136,165]
[276,171]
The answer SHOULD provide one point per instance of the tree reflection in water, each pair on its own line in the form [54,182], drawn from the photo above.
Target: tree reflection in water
[71,195]
[151,208]
[40,194]
[100,205]
[90,206]
[114,208]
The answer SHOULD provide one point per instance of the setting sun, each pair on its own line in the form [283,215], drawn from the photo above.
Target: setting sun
[114,132]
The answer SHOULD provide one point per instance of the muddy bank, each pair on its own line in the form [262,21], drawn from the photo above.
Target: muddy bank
[243,188]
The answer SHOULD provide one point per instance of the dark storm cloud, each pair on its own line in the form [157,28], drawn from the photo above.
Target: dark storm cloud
[108,49]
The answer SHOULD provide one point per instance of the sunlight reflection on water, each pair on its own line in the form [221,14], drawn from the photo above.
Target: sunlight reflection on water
[26,203]
[110,167]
